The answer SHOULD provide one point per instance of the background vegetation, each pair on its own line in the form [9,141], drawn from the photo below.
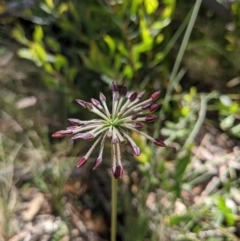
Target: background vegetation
[54,51]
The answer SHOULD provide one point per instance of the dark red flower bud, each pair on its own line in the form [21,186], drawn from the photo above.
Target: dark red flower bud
[77,136]
[151,118]
[155,95]
[135,116]
[140,95]
[160,143]
[89,105]
[136,150]
[62,133]
[57,135]
[82,161]
[117,171]
[114,86]
[139,125]
[81,102]
[97,163]
[74,121]
[95,102]
[146,105]
[153,107]
[102,97]
[132,96]
[123,91]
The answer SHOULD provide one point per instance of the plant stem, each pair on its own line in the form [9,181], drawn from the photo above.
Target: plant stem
[114,210]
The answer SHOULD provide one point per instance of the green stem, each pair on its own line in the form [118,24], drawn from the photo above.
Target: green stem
[114,210]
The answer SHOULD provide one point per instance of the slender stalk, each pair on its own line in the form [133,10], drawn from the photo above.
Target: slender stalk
[114,208]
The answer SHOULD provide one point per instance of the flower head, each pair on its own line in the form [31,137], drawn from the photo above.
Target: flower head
[128,112]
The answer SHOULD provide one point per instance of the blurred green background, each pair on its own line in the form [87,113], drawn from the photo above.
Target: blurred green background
[54,51]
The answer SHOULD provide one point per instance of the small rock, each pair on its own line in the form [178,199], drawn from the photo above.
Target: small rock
[33,207]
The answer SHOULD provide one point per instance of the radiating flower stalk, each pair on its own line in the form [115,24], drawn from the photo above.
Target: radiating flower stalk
[129,112]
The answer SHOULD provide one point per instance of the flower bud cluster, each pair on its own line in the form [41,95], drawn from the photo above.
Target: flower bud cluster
[128,112]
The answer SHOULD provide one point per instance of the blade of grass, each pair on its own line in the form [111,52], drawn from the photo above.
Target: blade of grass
[202,114]
[173,79]
[182,49]
[169,46]
[176,35]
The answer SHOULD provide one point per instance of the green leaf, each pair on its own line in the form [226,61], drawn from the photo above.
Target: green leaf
[127,72]
[143,158]
[45,8]
[160,24]
[95,54]
[176,220]
[170,124]
[122,49]
[53,44]
[117,62]
[48,68]
[181,133]
[25,53]
[236,130]
[151,6]
[167,12]
[225,100]
[166,132]
[181,167]
[60,61]
[185,110]
[157,59]
[234,108]
[145,32]
[63,7]
[111,44]
[134,8]
[140,48]
[50,3]
[19,34]
[227,122]
[226,211]
[38,33]
[40,52]
[28,54]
